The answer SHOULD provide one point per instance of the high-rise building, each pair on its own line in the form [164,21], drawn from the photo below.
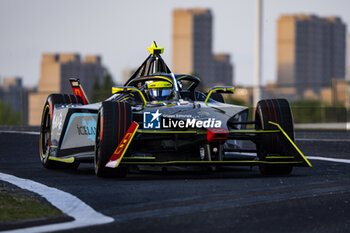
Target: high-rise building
[192,43]
[348,59]
[56,70]
[310,51]
[223,69]
[13,93]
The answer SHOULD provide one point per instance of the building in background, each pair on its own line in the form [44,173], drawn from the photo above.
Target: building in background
[348,59]
[192,43]
[271,90]
[13,93]
[310,52]
[91,69]
[223,69]
[341,92]
[127,73]
[192,48]
[244,94]
[56,70]
[338,94]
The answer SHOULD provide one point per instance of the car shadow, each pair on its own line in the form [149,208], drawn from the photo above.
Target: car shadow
[157,173]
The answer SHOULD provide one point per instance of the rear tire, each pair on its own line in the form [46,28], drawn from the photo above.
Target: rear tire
[113,120]
[278,111]
[45,129]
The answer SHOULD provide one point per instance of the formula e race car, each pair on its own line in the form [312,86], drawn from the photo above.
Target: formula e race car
[159,118]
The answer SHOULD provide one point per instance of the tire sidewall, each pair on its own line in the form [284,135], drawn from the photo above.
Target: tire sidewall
[113,122]
[272,143]
[46,113]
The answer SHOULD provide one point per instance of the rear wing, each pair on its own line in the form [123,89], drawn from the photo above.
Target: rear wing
[78,89]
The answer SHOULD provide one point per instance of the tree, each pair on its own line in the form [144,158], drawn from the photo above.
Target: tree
[107,83]
[307,111]
[232,100]
[95,90]
[8,116]
[102,92]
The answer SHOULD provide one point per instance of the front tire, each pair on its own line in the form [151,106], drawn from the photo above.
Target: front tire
[278,111]
[45,137]
[114,119]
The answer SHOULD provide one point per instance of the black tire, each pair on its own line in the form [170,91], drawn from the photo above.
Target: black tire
[114,119]
[45,129]
[278,111]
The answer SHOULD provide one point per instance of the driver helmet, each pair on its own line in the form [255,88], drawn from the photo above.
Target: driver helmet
[159,90]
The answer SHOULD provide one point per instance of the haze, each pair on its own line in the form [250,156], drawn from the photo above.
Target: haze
[120,31]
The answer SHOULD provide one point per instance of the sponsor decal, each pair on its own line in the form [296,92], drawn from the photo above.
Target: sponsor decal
[87,127]
[84,130]
[151,120]
[155,120]
[57,121]
[77,92]
[191,123]
[81,130]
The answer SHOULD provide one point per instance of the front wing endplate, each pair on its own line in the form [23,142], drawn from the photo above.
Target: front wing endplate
[123,146]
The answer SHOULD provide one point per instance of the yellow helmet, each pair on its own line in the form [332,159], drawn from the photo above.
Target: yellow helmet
[159,90]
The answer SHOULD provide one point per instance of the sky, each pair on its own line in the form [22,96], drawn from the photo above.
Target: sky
[120,31]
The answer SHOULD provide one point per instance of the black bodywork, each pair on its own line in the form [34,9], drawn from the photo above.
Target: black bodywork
[74,126]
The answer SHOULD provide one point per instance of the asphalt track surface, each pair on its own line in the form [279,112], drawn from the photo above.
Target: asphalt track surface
[237,199]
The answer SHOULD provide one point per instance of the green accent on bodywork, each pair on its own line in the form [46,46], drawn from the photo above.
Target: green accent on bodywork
[211,162]
[124,99]
[291,142]
[223,89]
[126,89]
[64,160]
[203,132]
[279,157]
[150,158]
[179,78]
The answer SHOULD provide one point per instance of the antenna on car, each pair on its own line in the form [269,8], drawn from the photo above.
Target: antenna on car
[154,49]
[154,63]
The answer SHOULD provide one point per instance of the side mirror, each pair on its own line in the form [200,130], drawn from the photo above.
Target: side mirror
[225,89]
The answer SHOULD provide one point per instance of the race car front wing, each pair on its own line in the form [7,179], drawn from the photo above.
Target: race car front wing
[293,155]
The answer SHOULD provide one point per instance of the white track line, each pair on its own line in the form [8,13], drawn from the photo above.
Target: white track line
[328,159]
[83,214]
[324,139]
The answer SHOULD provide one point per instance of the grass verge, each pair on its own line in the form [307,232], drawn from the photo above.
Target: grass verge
[16,207]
